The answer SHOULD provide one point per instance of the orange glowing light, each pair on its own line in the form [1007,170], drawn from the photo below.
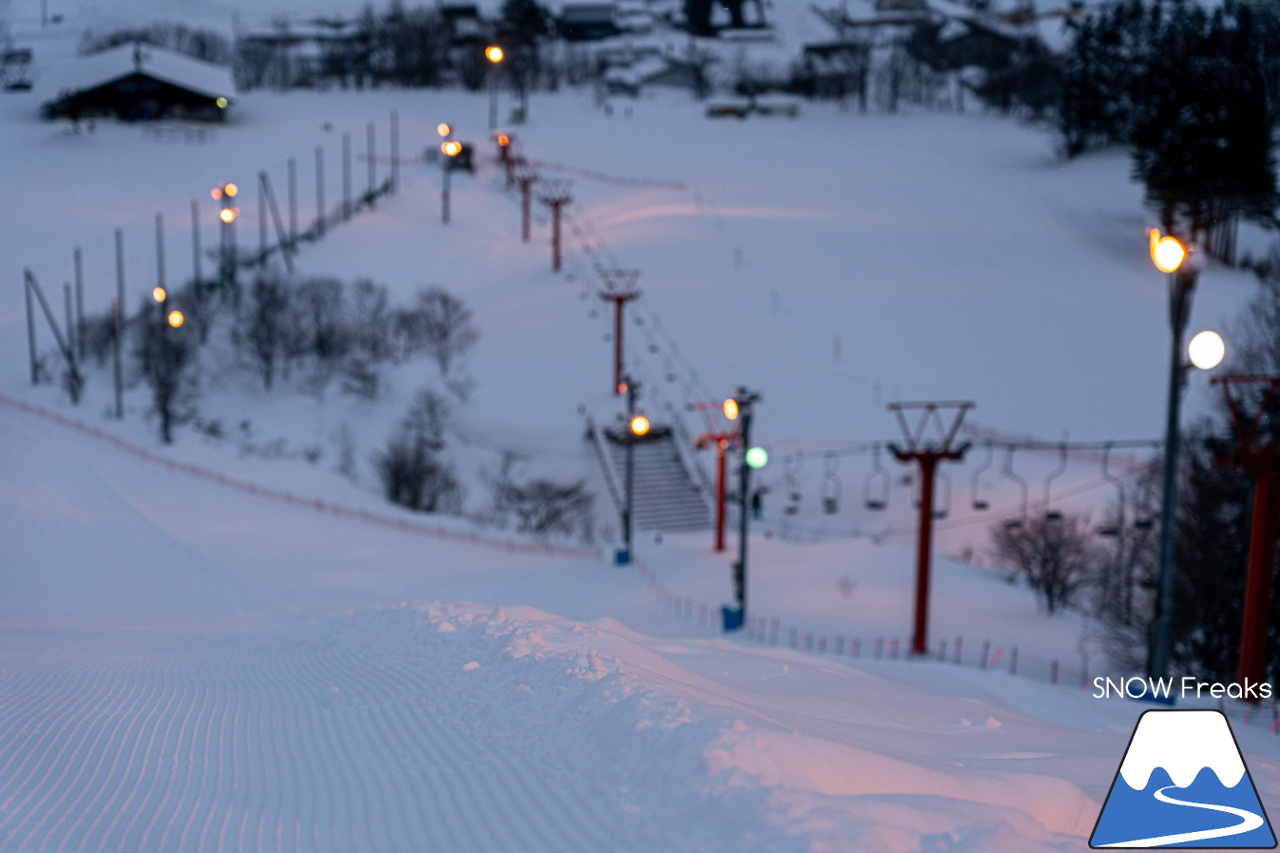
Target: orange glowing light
[493,53]
[443,129]
[504,140]
[227,214]
[175,319]
[1167,253]
[230,190]
[639,425]
[216,193]
[451,148]
[731,409]
[158,294]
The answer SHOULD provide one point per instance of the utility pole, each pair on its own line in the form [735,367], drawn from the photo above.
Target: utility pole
[555,195]
[619,288]
[927,455]
[1259,455]
[752,457]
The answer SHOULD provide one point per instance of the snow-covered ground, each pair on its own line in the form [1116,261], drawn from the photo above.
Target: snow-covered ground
[189,666]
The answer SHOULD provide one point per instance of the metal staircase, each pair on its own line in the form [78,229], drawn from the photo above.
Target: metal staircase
[666,498]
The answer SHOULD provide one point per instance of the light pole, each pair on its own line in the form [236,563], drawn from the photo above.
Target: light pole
[451,148]
[494,54]
[739,407]
[1170,256]
[637,426]
[227,216]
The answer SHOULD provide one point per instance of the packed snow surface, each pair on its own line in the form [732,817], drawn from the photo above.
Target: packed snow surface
[189,663]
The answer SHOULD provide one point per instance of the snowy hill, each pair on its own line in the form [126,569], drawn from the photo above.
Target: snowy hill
[200,665]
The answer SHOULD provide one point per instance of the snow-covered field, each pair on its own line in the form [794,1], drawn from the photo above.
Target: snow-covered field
[185,666]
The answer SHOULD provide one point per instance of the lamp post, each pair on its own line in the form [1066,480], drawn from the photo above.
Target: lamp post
[227,214]
[740,407]
[494,54]
[1170,257]
[451,148]
[637,426]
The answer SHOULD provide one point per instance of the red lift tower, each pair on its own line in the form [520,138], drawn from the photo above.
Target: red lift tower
[1259,455]
[927,453]
[555,195]
[619,288]
[721,438]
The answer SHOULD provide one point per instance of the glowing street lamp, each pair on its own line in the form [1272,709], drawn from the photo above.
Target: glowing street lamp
[637,427]
[175,319]
[1206,350]
[1172,257]
[158,294]
[494,54]
[740,406]
[227,214]
[444,130]
[450,148]
[1166,252]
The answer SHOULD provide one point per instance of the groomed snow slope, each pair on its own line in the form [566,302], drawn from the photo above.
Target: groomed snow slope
[188,668]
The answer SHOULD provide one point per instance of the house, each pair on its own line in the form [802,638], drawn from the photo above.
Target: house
[587,21]
[143,82]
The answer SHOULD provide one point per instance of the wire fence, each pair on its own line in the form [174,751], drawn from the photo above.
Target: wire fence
[280,496]
[978,654]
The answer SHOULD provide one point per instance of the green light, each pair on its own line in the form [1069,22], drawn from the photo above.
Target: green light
[757,457]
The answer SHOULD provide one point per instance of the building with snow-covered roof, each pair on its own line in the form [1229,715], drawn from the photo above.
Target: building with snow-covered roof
[142,82]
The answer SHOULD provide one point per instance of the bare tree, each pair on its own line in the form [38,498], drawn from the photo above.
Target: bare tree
[1055,552]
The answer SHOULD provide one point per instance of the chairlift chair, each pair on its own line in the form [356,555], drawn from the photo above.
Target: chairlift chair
[875,488]
[1118,526]
[792,464]
[830,483]
[980,503]
[944,479]
[1051,514]
[1015,523]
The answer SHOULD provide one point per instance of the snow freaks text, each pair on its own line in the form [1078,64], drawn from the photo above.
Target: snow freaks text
[1188,687]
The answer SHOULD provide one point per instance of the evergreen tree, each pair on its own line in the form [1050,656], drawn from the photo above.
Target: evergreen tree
[1202,127]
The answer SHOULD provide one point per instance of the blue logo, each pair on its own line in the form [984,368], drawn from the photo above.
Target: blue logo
[1183,783]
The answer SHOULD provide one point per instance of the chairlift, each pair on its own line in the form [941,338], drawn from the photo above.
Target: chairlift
[1115,528]
[1015,523]
[875,488]
[830,483]
[944,479]
[979,503]
[1051,514]
[792,464]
